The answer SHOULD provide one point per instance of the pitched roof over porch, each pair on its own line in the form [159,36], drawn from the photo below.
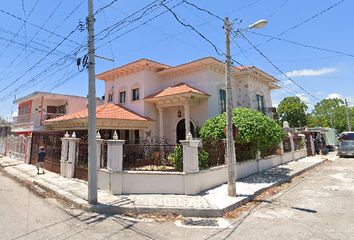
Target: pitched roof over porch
[177,95]
[108,116]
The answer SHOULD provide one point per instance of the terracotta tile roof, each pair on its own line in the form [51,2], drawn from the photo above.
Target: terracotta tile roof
[244,67]
[107,111]
[180,88]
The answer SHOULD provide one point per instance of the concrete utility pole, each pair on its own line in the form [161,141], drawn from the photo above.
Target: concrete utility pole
[92,143]
[230,152]
[348,117]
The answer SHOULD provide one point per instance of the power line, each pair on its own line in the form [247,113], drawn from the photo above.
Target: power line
[25,21]
[204,10]
[39,60]
[190,26]
[296,26]
[303,45]
[137,26]
[278,68]
[277,9]
[102,8]
[25,48]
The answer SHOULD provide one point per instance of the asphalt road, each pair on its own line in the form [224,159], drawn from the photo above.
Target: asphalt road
[317,206]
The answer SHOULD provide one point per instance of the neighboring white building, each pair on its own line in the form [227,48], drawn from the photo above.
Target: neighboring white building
[191,92]
[39,106]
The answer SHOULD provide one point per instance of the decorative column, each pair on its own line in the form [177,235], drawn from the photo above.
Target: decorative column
[72,156]
[187,119]
[281,146]
[312,146]
[99,145]
[28,148]
[64,154]
[191,164]
[161,122]
[115,154]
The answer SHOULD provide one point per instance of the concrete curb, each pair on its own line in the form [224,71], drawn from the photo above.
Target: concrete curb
[80,203]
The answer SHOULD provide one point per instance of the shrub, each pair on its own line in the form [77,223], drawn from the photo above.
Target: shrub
[203,157]
[177,159]
[254,127]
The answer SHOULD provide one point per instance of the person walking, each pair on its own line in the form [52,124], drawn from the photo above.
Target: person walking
[40,160]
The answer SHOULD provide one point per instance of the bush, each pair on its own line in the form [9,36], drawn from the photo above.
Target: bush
[254,127]
[178,159]
[203,157]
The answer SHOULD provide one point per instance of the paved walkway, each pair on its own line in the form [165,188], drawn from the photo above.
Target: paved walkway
[211,203]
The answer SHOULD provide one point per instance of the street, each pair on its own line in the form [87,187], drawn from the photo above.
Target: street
[318,205]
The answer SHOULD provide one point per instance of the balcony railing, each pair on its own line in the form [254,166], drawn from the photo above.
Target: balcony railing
[33,120]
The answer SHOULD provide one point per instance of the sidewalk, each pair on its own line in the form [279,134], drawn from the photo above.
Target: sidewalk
[212,203]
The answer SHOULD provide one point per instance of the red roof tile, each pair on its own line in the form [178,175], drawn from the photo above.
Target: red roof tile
[107,111]
[180,88]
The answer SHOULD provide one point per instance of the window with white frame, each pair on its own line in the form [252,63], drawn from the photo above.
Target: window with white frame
[122,97]
[222,100]
[110,96]
[260,104]
[135,94]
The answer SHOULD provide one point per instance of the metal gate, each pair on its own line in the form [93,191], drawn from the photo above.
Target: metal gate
[52,145]
[16,147]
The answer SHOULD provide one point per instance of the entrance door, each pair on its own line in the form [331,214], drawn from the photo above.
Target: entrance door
[181,130]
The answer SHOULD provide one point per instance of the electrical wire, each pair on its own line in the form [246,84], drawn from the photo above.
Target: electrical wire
[102,8]
[204,10]
[40,60]
[278,68]
[303,45]
[190,26]
[298,25]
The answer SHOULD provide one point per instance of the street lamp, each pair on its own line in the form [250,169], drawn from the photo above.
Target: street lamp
[230,152]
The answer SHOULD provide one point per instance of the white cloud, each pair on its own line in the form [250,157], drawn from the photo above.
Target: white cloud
[287,82]
[303,98]
[310,72]
[350,101]
[319,93]
[334,95]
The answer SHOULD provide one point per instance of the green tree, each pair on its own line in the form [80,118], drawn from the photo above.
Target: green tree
[327,111]
[254,127]
[2,121]
[292,110]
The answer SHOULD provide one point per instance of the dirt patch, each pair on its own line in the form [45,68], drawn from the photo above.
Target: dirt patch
[270,192]
[158,217]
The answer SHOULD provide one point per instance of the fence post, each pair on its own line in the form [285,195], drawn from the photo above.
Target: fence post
[28,149]
[281,146]
[258,157]
[72,155]
[312,146]
[191,164]
[115,154]
[99,144]
[64,154]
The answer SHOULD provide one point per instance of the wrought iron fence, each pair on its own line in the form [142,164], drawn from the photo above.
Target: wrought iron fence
[103,156]
[244,152]
[216,149]
[81,162]
[298,143]
[149,153]
[286,145]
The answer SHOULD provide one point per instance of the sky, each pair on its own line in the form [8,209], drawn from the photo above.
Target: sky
[306,44]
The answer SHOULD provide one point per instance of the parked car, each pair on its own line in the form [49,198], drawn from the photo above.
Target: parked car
[346,149]
[345,136]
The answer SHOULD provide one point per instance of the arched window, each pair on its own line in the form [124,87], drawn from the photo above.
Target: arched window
[136,92]
[122,94]
[110,96]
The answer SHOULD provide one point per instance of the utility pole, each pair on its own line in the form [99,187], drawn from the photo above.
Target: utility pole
[348,117]
[92,143]
[230,153]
